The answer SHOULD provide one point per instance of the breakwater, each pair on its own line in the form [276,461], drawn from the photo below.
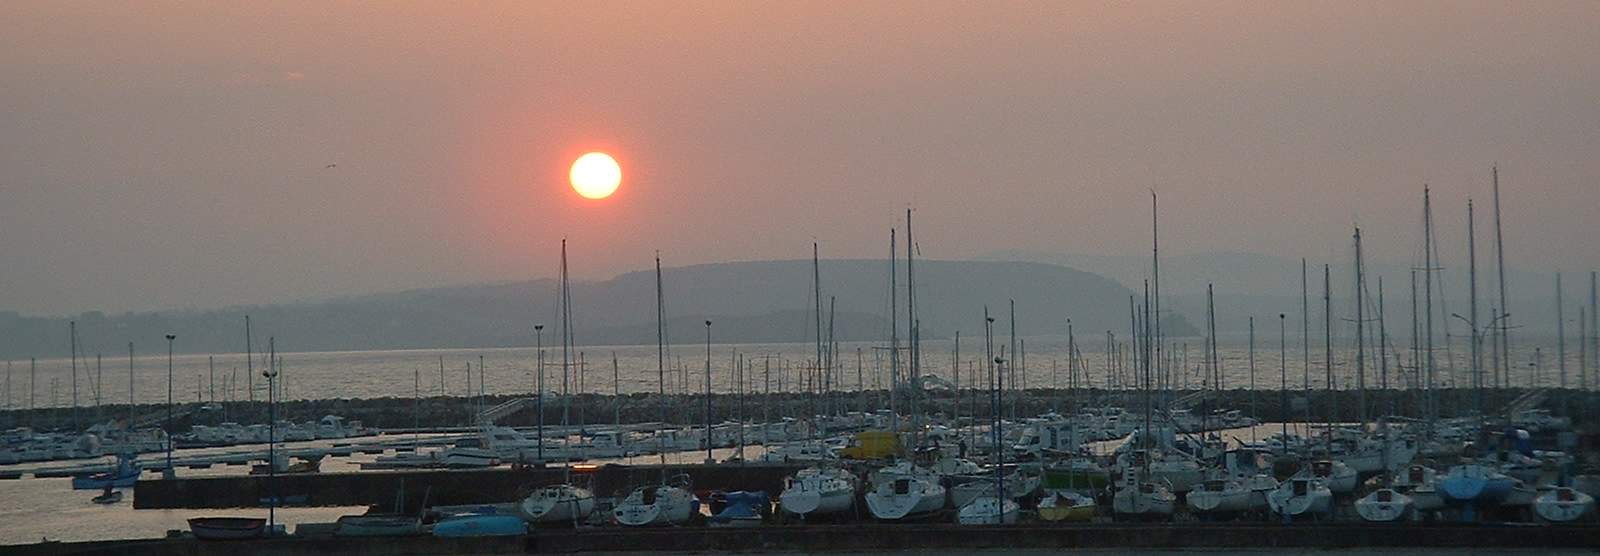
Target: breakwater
[443,411]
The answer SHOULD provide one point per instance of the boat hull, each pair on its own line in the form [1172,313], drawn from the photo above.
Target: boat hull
[226,528]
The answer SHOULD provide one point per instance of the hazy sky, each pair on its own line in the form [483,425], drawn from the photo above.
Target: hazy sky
[173,155]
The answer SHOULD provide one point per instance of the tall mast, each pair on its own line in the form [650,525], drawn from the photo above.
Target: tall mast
[1327,349]
[1305,336]
[1155,272]
[1503,314]
[816,294]
[1427,296]
[1361,345]
[1472,315]
[915,328]
[1253,412]
[1594,335]
[1561,335]
[1012,361]
[894,330]
[72,327]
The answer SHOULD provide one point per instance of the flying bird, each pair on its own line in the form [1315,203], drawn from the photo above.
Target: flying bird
[335,165]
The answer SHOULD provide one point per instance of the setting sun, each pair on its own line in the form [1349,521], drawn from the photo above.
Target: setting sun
[596,175]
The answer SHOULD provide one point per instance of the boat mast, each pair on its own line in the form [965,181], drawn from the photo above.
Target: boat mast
[1305,341]
[915,331]
[1361,344]
[1432,399]
[1472,315]
[1327,350]
[894,332]
[1561,336]
[661,353]
[1155,298]
[816,295]
[1503,314]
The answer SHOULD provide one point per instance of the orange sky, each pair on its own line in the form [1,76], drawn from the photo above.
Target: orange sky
[160,155]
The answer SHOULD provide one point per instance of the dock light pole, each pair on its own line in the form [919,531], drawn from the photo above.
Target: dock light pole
[709,459]
[271,374]
[168,472]
[538,333]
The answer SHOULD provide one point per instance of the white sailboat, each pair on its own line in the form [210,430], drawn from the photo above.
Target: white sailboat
[1219,497]
[1301,497]
[988,510]
[905,492]
[557,504]
[1018,485]
[1334,474]
[1418,482]
[815,490]
[1142,499]
[1384,505]
[666,504]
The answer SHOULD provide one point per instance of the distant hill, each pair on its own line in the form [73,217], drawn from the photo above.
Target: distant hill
[763,301]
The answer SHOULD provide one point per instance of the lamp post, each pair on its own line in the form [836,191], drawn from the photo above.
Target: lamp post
[538,332]
[271,374]
[709,459]
[168,472]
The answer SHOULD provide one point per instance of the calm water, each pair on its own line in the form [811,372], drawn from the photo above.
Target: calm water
[398,373]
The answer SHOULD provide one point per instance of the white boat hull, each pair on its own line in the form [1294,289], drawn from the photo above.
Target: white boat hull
[892,502]
[671,506]
[1563,505]
[988,510]
[1384,506]
[557,504]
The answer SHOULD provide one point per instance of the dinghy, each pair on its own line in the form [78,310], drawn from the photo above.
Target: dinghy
[123,475]
[108,497]
[226,528]
[377,526]
[480,525]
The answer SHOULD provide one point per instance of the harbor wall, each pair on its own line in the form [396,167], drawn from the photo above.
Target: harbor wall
[934,538]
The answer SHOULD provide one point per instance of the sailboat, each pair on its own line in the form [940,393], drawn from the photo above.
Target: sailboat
[669,503]
[1334,474]
[1384,505]
[561,503]
[903,492]
[1563,505]
[557,504]
[988,510]
[1142,499]
[1067,505]
[1301,497]
[818,490]
[1219,496]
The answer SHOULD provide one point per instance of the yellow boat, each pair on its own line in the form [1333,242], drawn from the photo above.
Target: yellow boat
[1067,506]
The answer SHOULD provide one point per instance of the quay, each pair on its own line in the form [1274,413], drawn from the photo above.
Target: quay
[916,537]
[439,487]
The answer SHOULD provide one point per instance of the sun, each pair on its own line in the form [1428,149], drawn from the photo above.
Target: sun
[596,175]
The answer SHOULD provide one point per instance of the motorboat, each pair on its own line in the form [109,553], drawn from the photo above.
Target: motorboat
[815,490]
[123,475]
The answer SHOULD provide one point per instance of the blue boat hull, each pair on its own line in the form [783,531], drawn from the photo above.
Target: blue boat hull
[1474,490]
[481,526]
